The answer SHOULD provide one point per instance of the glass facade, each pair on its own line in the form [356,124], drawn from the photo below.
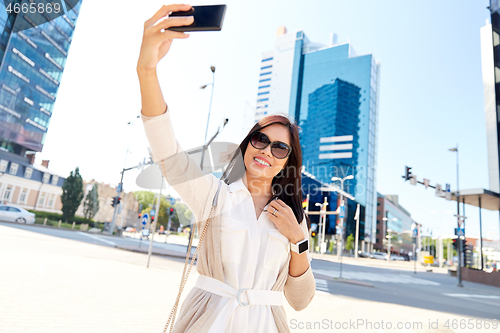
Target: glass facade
[332,94]
[31,69]
[335,102]
[399,223]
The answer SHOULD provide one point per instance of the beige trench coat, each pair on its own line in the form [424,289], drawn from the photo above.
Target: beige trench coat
[197,308]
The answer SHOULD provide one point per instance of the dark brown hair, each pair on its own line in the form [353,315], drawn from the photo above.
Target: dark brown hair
[287,184]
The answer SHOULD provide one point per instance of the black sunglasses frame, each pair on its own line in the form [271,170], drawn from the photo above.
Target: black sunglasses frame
[271,143]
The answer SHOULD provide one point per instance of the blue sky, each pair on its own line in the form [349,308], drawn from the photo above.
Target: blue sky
[431,92]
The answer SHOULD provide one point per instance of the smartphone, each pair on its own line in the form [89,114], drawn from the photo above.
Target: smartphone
[206,18]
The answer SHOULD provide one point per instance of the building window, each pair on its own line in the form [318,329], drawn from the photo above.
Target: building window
[266,86]
[267,59]
[3,165]
[8,192]
[23,196]
[264,80]
[263,93]
[55,179]
[262,74]
[263,99]
[28,173]
[41,199]
[266,67]
[46,177]
[13,168]
[50,203]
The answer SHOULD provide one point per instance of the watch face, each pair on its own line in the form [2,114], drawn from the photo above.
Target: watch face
[303,246]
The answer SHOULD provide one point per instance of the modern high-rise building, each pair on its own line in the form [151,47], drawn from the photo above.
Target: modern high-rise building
[34,46]
[490,53]
[332,94]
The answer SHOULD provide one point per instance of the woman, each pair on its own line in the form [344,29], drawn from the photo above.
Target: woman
[245,262]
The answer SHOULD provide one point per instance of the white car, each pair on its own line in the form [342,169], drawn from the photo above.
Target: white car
[12,213]
[379,255]
[398,258]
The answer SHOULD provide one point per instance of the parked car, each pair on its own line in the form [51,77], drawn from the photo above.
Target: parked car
[11,213]
[363,254]
[379,255]
[396,257]
[130,229]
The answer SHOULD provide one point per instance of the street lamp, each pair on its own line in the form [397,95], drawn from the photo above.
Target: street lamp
[212,68]
[459,269]
[120,186]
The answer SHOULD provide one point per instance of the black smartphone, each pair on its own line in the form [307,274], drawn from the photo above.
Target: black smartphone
[206,18]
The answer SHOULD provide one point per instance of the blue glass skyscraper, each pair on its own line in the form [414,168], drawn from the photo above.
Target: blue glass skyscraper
[332,94]
[33,52]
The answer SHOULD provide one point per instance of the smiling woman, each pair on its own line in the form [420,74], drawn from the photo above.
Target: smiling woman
[252,218]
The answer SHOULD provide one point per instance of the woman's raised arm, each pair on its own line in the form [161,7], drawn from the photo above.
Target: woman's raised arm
[180,170]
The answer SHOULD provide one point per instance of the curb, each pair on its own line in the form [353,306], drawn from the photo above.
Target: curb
[53,227]
[355,282]
[164,253]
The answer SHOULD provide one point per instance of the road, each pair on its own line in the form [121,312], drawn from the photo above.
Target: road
[57,280]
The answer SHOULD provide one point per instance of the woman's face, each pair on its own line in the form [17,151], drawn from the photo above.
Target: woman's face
[275,132]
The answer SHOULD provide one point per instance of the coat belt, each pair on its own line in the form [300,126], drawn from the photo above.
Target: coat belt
[242,297]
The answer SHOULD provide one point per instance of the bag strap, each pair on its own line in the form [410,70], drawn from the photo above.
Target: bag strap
[185,273]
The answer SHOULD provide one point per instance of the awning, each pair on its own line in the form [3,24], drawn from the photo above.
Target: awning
[489,200]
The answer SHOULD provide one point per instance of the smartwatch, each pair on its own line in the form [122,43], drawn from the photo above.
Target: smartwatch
[301,246]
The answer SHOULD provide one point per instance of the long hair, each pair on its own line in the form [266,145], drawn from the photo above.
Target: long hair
[287,184]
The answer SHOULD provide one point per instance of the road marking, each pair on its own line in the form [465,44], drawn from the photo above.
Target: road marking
[98,238]
[473,296]
[378,277]
[321,284]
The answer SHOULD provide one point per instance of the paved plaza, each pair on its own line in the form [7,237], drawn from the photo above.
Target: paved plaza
[54,284]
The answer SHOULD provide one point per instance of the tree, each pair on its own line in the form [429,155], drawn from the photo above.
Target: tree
[72,194]
[349,245]
[91,203]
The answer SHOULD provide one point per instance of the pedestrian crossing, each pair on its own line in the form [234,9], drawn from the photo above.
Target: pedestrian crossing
[322,285]
[376,277]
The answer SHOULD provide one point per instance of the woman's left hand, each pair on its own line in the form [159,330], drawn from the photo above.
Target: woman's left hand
[284,219]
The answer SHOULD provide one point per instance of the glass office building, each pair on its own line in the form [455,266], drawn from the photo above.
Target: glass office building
[33,50]
[332,94]
[397,224]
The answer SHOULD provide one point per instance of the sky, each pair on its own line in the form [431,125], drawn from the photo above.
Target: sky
[431,91]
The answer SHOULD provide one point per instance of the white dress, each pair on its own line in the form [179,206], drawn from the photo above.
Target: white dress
[253,251]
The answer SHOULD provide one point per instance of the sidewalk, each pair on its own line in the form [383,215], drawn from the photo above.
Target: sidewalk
[393,264]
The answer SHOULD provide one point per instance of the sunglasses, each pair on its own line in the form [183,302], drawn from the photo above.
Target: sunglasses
[279,149]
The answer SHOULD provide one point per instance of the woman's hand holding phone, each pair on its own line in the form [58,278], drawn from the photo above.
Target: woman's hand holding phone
[155,43]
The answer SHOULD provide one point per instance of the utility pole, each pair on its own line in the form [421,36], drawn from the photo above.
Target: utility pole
[157,215]
[459,268]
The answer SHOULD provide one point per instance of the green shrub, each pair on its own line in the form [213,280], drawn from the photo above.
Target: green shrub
[53,219]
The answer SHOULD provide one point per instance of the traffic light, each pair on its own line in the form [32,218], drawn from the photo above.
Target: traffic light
[139,216]
[171,211]
[455,243]
[313,233]
[152,219]
[468,254]
[114,201]
[118,200]
[407,175]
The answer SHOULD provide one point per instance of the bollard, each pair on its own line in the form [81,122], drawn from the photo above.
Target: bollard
[73,227]
[45,221]
[59,225]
